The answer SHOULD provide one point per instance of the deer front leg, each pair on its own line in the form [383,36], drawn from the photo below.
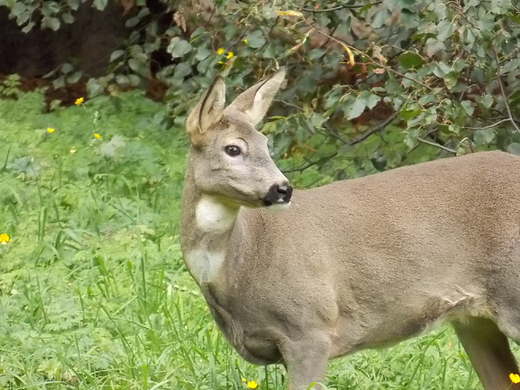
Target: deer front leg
[306,360]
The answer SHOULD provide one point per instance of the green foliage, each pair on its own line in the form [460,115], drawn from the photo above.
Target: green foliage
[445,73]
[10,87]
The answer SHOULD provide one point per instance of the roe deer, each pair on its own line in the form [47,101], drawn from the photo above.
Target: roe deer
[355,264]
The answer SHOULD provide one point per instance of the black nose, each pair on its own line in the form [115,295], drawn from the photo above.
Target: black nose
[278,194]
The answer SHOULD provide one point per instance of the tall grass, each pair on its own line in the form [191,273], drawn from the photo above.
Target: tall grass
[93,290]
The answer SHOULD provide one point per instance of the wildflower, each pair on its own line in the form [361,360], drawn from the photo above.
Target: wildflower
[252,385]
[72,151]
[79,101]
[244,380]
[97,136]
[515,378]
[245,41]
[4,239]
[230,54]
[220,50]
[50,130]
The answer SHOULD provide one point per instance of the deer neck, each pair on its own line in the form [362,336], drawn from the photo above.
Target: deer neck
[206,227]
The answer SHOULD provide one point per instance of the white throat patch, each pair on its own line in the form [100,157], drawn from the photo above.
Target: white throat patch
[213,216]
[204,265]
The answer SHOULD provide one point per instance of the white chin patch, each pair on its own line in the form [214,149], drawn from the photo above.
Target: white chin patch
[279,206]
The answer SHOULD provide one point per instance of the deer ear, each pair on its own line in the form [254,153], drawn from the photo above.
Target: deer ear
[207,112]
[255,101]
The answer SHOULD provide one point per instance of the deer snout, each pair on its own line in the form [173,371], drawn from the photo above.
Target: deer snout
[278,194]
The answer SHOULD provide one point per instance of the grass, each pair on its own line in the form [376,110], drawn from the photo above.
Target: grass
[93,290]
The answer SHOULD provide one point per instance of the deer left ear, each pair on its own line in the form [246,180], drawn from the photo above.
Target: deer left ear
[207,112]
[255,101]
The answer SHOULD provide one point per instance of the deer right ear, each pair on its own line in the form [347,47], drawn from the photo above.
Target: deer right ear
[207,112]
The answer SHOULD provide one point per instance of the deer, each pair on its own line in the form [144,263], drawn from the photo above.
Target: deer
[299,277]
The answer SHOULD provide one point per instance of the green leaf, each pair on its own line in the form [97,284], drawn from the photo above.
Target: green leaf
[410,114]
[255,39]
[67,18]
[67,68]
[74,77]
[22,18]
[73,4]
[433,45]
[94,88]
[122,79]
[380,17]
[202,53]
[100,4]
[116,54]
[132,22]
[484,136]
[182,70]
[370,100]
[59,82]
[468,107]
[52,23]
[444,29]
[136,65]
[440,10]
[355,109]
[28,27]
[18,8]
[178,47]
[134,80]
[486,100]
[409,19]
[514,148]
[410,60]
[441,69]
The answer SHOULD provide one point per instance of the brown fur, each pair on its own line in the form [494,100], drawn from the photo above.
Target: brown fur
[370,262]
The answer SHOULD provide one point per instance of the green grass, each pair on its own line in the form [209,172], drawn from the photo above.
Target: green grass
[93,290]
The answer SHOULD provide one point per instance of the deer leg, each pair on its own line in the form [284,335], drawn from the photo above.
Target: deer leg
[488,350]
[306,361]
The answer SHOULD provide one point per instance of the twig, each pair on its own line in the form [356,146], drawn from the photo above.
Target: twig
[511,117]
[489,126]
[466,139]
[310,164]
[422,140]
[375,129]
[345,6]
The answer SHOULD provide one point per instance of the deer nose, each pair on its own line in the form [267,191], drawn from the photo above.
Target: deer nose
[278,194]
[285,191]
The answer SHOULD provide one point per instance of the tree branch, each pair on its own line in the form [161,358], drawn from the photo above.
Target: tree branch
[345,6]
[502,90]
[423,141]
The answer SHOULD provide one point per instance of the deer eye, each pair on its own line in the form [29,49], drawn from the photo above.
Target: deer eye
[232,150]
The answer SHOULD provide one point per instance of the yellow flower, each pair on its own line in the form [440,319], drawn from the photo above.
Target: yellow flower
[79,101]
[515,378]
[220,50]
[245,41]
[50,130]
[4,238]
[97,136]
[252,385]
[230,54]
[244,380]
